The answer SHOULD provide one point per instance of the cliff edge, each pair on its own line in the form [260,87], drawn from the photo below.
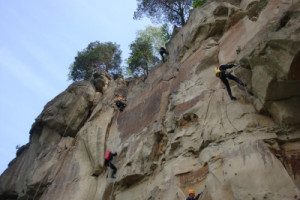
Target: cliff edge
[180,130]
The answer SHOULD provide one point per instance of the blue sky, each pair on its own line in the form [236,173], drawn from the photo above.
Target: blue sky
[39,40]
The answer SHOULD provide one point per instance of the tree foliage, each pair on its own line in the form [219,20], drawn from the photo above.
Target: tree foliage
[170,11]
[106,56]
[141,56]
[145,49]
[157,36]
[166,33]
[197,3]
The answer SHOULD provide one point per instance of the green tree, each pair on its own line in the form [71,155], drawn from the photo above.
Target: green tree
[166,33]
[106,56]
[141,56]
[170,11]
[155,36]
[197,3]
[145,49]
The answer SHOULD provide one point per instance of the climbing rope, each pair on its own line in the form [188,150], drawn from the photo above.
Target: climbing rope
[114,147]
[227,113]
[35,194]
[116,120]
[181,194]
[249,100]
[112,190]
[234,69]
[37,190]
[248,97]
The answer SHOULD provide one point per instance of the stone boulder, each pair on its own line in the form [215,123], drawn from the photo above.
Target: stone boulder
[101,80]
[67,112]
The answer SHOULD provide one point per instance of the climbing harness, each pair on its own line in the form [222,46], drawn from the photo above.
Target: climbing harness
[218,72]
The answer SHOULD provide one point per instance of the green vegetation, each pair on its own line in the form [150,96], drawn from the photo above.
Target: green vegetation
[106,56]
[165,33]
[175,12]
[141,56]
[145,49]
[198,3]
[157,36]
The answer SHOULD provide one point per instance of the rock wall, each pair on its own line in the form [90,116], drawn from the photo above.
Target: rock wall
[180,130]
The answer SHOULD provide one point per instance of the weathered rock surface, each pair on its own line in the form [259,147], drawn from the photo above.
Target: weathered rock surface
[180,130]
[67,112]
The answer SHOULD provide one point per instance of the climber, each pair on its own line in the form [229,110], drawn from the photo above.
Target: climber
[223,75]
[108,158]
[192,195]
[163,51]
[95,68]
[120,102]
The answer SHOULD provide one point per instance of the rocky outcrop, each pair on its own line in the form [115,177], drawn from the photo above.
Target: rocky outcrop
[67,112]
[101,80]
[180,130]
[269,47]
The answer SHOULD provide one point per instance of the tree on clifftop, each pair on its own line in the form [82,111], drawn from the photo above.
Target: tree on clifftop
[171,11]
[157,36]
[141,56]
[106,56]
[198,3]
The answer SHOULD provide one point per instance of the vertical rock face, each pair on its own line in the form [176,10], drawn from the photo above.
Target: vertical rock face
[180,130]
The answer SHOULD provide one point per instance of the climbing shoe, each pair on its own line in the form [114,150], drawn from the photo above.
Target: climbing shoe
[233,98]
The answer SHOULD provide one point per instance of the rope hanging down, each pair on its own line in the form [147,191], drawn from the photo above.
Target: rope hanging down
[248,98]
[253,114]
[114,147]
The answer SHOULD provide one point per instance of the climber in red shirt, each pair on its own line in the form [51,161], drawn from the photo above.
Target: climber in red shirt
[108,158]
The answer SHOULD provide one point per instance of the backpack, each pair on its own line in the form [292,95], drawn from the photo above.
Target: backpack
[107,155]
[218,72]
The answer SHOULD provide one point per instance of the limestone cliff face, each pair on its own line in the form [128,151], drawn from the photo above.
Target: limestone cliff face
[180,130]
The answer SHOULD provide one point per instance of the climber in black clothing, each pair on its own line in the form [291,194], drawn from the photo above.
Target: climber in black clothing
[163,51]
[120,102]
[108,158]
[223,75]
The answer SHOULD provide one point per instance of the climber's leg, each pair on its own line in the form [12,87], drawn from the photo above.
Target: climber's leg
[230,76]
[113,167]
[225,81]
